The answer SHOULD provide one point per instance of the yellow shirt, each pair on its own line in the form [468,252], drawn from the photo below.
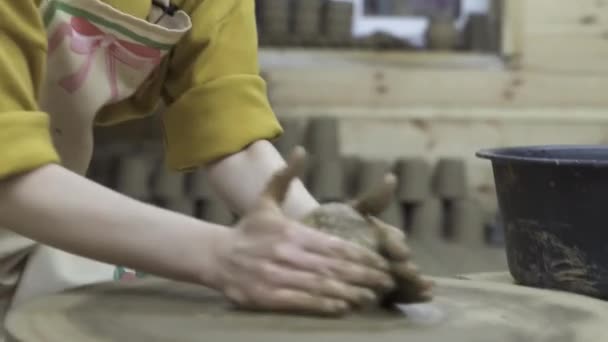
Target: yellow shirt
[217,102]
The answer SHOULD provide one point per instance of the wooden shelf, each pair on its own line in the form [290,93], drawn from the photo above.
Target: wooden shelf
[273,58]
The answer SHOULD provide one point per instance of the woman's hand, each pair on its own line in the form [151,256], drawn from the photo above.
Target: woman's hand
[269,262]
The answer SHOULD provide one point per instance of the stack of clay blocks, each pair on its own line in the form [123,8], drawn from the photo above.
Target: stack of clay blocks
[432,202]
[339,21]
[463,219]
[274,18]
[444,224]
[307,19]
[436,201]
[304,22]
[141,174]
[432,199]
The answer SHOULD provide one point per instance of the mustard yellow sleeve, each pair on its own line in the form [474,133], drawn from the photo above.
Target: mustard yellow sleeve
[25,141]
[217,100]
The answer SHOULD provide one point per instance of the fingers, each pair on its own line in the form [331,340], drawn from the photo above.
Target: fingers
[278,186]
[334,247]
[356,274]
[411,286]
[410,273]
[392,240]
[378,199]
[283,277]
[340,270]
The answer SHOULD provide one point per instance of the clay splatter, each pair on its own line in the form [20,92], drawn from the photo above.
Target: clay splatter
[558,265]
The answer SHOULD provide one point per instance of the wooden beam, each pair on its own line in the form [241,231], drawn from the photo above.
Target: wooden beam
[393,87]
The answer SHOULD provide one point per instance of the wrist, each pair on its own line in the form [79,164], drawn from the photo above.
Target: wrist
[207,250]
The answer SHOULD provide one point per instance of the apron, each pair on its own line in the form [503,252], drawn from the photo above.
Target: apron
[97,56]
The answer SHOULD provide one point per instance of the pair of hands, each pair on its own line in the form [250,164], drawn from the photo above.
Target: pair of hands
[272,263]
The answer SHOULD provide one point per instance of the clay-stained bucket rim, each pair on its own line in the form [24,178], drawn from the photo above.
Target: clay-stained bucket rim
[595,156]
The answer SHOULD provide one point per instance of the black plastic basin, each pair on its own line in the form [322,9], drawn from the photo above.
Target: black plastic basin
[554,203]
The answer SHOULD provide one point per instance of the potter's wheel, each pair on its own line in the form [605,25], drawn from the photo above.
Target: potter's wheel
[158,310]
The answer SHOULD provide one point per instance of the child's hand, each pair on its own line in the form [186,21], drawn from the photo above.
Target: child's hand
[269,262]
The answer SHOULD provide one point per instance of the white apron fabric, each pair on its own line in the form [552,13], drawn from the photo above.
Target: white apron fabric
[97,56]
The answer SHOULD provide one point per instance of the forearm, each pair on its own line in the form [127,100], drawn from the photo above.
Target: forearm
[61,209]
[240,179]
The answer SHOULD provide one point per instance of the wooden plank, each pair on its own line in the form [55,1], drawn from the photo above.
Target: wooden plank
[548,14]
[390,87]
[566,36]
[361,86]
[568,52]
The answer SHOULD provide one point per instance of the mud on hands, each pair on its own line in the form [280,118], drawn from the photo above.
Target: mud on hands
[272,263]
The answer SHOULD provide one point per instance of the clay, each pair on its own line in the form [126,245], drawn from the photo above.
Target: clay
[293,136]
[351,166]
[326,181]
[466,221]
[322,139]
[182,205]
[168,185]
[154,310]
[394,215]
[133,176]
[426,221]
[340,33]
[478,33]
[442,33]
[308,17]
[414,180]
[197,186]
[216,211]
[370,171]
[483,31]
[207,205]
[385,41]
[356,221]
[306,28]
[101,170]
[274,39]
[311,7]
[338,19]
[450,179]
[275,18]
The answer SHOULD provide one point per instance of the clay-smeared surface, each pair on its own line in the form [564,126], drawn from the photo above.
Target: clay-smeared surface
[157,310]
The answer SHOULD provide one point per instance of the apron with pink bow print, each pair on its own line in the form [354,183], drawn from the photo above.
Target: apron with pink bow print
[97,56]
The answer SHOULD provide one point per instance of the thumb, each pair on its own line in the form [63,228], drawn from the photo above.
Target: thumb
[276,190]
[378,199]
